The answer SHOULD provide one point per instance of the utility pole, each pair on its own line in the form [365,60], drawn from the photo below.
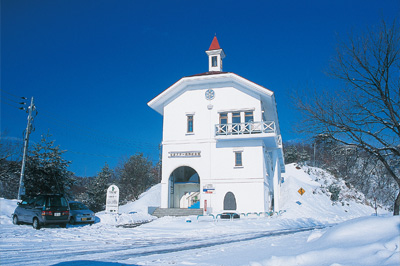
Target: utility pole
[21,190]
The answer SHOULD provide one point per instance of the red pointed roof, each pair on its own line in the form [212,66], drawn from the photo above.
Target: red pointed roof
[214,44]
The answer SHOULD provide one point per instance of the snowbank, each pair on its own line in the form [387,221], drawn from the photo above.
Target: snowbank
[363,241]
[7,208]
[134,212]
[315,202]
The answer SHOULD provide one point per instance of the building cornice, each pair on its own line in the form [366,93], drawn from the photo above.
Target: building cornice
[209,79]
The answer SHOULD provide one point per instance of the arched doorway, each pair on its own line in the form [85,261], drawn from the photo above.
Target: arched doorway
[184,188]
[229,201]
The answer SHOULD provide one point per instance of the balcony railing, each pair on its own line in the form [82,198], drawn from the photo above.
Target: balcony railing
[245,128]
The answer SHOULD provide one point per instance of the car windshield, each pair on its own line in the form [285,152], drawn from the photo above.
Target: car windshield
[56,201]
[77,206]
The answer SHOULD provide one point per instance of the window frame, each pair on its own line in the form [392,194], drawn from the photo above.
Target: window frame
[238,158]
[190,123]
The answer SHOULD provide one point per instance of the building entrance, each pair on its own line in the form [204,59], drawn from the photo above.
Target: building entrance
[184,188]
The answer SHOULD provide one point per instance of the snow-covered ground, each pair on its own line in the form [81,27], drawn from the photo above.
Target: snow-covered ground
[312,231]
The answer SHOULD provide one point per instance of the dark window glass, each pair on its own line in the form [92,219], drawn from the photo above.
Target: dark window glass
[238,158]
[214,61]
[229,201]
[56,201]
[39,201]
[223,118]
[189,123]
[235,117]
[248,117]
[78,206]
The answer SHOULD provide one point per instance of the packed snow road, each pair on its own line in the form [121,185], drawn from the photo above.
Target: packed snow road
[22,245]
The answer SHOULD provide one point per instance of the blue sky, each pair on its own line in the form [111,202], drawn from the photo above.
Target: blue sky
[92,66]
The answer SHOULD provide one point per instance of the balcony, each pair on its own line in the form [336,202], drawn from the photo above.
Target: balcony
[265,130]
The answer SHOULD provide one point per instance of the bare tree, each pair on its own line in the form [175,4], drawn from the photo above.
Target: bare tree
[364,113]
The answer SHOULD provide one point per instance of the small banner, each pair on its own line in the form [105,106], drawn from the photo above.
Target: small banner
[112,199]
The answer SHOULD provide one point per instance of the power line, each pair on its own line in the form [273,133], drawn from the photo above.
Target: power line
[19,97]
[8,99]
[84,131]
[19,108]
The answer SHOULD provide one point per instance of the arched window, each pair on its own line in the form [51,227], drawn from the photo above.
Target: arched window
[229,201]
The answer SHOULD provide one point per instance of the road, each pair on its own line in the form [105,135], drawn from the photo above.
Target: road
[22,245]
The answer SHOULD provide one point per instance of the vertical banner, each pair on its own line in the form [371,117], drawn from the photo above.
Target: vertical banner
[112,199]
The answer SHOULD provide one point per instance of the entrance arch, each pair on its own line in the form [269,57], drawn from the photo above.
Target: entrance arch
[184,188]
[229,201]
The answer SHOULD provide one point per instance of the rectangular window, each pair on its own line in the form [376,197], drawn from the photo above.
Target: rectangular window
[248,117]
[223,118]
[214,61]
[235,117]
[190,124]
[236,127]
[238,158]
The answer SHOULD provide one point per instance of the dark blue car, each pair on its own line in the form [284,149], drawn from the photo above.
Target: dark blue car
[42,210]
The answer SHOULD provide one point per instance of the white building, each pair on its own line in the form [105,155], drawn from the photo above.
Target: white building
[221,147]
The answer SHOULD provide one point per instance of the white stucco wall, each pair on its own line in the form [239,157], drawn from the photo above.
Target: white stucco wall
[216,164]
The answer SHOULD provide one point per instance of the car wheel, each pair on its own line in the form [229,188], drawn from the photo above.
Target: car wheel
[72,220]
[15,220]
[63,225]
[36,224]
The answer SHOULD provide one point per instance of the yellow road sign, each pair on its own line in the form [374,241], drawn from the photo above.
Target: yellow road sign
[301,191]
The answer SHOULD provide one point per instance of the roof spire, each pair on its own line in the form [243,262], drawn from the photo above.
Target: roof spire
[214,44]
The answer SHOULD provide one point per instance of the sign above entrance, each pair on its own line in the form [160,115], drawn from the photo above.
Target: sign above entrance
[184,154]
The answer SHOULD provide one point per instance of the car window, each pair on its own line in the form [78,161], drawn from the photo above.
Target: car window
[25,202]
[39,201]
[78,206]
[56,201]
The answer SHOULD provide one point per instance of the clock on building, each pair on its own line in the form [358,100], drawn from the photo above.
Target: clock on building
[210,94]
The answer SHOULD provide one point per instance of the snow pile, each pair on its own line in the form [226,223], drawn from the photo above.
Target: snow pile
[134,212]
[7,208]
[363,241]
[316,201]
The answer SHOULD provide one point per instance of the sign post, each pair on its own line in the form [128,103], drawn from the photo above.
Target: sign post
[112,199]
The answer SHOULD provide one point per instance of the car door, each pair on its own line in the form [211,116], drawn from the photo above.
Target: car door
[37,207]
[21,212]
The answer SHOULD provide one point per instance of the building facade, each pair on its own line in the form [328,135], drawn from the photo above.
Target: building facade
[221,147]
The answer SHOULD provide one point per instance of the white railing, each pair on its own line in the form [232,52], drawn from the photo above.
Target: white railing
[245,128]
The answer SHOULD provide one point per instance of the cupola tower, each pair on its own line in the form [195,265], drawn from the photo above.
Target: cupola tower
[215,56]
